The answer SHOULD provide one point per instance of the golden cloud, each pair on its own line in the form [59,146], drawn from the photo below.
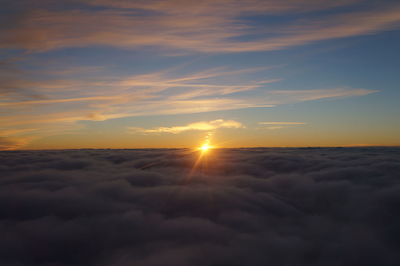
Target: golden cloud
[197,126]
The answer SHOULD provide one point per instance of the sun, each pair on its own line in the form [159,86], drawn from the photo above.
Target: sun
[205,148]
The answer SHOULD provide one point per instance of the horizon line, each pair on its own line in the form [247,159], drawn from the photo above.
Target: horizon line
[218,148]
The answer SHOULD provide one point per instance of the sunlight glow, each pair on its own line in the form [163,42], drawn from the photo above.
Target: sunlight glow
[205,147]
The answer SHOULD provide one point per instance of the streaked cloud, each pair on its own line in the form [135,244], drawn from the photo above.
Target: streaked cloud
[107,97]
[206,26]
[290,96]
[64,102]
[12,143]
[280,125]
[156,93]
[197,126]
[55,98]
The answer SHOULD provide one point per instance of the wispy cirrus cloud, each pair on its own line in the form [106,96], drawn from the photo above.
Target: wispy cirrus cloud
[280,125]
[206,26]
[12,143]
[106,97]
[196,126]
[59,97]
[155,93]
[66,101]
[290,96]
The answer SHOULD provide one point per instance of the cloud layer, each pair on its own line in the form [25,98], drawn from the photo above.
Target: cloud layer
[238,207]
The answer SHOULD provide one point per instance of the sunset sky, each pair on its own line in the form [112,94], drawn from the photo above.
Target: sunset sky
[163,74]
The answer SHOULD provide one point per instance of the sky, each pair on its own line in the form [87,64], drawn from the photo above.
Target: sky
[164,74]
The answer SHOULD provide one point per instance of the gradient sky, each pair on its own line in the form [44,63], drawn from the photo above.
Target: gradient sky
[137,74]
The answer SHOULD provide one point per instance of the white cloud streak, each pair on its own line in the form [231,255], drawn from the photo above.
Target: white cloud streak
[281,123]
[196,126]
